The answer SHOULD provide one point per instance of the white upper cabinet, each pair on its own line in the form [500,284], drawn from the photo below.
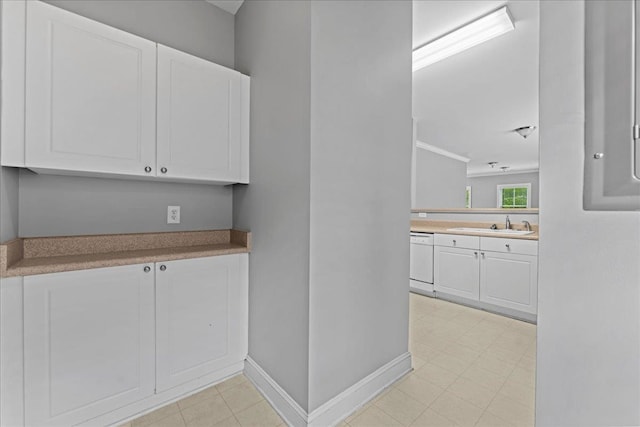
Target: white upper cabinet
[90,95]
[200,107]
[92,105]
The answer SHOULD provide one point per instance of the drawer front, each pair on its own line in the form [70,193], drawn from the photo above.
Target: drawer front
[513,246]
[457,241]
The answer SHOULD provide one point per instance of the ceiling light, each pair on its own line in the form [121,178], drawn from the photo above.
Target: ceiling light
[472,34]
[525,131]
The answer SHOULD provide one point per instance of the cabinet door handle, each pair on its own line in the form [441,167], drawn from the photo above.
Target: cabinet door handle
[476,254]
[454,243]
[163,267]
[147,169]
[163,170]
[146,269]
[482,253]
[507,245]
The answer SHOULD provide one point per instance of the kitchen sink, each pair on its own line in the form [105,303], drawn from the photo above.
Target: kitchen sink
[491,231]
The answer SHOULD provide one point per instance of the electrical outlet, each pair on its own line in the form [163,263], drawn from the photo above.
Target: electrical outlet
[173,214]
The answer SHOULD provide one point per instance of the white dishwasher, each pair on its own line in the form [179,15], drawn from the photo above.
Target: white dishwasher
[421,263]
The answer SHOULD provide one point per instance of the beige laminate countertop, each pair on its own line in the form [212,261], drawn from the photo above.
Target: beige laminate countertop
[442,227]
[40,255]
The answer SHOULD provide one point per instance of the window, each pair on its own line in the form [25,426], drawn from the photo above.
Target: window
[514,196]
[467,199]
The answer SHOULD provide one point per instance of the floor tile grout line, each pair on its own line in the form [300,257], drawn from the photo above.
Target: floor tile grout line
[184,421]
[410,397]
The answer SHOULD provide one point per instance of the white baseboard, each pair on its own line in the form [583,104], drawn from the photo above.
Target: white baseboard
[288,409]
[336,409]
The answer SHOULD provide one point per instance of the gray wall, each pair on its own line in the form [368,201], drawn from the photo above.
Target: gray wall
[272,45]
[484,188]
[8,195]
[589,279]
[440,181]
[8,203]
[328,165]
[59,205]
[361,136]
[52,205]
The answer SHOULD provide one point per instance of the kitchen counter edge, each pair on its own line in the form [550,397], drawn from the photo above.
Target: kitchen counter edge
[24,256]
[444,230]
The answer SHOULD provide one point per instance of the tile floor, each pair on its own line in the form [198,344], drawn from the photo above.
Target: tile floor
[471,368]
[233,403]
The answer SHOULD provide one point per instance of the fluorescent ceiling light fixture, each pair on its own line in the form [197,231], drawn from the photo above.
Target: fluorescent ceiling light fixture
[472,34]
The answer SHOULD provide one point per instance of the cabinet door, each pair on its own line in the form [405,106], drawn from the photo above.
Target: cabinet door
[90,95]
[612,135]
[509,280]
[201,312]
[456,272]
[88,343]
[202,123]
[200,118]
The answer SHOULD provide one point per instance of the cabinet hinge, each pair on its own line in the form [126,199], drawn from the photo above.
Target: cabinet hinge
[636,132]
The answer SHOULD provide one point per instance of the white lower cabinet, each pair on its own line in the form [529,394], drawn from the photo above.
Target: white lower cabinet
[105,340]
[88,343]
[509,280]
[201,318]
[496,271]
[456,272]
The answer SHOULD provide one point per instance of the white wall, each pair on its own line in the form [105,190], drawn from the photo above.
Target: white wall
[588,370]
[440,181]
[272,45]
[51,205]
[484,188]
[361,136]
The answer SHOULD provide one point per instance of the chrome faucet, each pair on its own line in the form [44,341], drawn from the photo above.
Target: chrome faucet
[507,223]
[527,225]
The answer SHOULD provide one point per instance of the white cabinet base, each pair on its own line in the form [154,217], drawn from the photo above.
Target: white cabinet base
[150,404]
[492,308]
[422,288]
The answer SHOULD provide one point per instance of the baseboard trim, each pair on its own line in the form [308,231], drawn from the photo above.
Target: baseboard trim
[336,409]
[288,409]
[341,406]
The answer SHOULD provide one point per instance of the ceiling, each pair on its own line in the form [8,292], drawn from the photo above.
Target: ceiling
[470,103]
[230,6]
